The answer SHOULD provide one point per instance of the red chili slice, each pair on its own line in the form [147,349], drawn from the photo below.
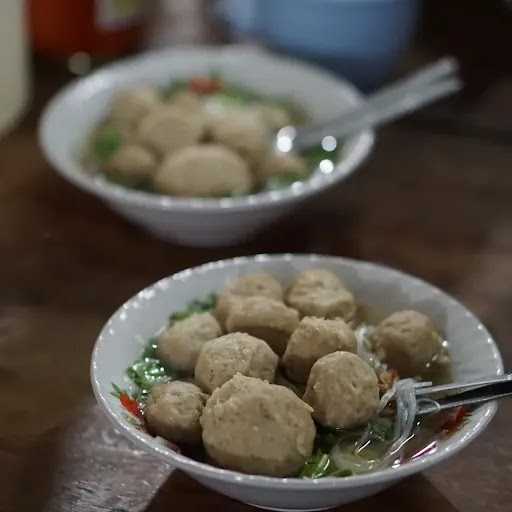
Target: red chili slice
[455,419]
[131,405]
[205,85]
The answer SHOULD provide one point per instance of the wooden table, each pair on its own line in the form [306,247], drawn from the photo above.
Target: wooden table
[433,201]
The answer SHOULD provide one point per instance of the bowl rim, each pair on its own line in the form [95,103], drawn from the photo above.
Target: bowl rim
[179,461]
[208,471]
[64,162]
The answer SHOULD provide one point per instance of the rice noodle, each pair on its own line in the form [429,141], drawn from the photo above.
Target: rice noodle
[406,408]
[404,394]
[363,440]
[387,397]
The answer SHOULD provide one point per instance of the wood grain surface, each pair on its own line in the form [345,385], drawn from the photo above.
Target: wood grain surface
[432,202]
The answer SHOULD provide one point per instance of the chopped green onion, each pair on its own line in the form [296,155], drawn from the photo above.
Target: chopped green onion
[320,465]
[196,306]
[117,391]
[336,453]
[316,154]
[105,142]
[149,370]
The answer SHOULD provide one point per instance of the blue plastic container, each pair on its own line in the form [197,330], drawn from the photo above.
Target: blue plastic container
[360,39]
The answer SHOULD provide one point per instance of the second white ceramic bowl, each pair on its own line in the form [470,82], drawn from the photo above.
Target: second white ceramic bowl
[474,355]
[72,114]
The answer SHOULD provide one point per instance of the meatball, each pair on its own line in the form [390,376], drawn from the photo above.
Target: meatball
[180,344]
[317,278]
[264,318]
[273,116]
[282,164]
[132,162]
[321,293]
[131,106]
[204,171]
[173,411]
[259,428]
[343,390]
[251,285]
[408,342]
[187,101]
[169,129]
[324,303]
[238,352]
[313,339]
[243,133]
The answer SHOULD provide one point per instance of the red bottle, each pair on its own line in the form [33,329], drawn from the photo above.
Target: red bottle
[101,28]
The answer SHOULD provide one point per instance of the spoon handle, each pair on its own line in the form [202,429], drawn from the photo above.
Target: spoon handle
[474,396]
[374,114]
[396,100]
[460,387]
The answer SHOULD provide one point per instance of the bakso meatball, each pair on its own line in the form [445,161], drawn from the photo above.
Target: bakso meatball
[265,318]
[321,293]
[343,390]
[132,162]
[173,411]
[260,284]
[313,339]
[255,427]
[282,164]
[274,116]
[180,344]
[187,101]
[169,129]
[131,106]
[243,133]
[238,352]
[318,278]
[407,341]
[204,171]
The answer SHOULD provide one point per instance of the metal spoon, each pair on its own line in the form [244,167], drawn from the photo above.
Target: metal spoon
[397,100]
[447,396]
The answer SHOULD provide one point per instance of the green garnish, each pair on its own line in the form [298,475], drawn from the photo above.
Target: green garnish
[320,464]
[382,429]
[196,306]
[117,391]
[315,155]
[149,370]
[105,142]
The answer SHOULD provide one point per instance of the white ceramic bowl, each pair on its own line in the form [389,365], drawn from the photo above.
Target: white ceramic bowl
[71,115]
[121,341]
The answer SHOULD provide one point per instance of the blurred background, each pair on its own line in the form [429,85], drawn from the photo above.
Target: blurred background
[433,200]
[47,42]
